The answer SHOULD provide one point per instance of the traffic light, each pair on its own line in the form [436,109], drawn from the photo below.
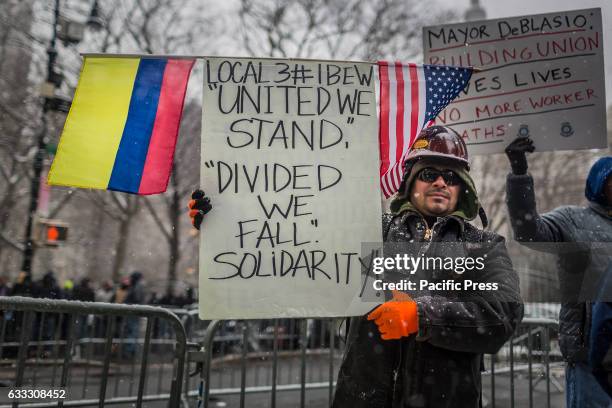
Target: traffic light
[58,103]
[52,232]
[56,234]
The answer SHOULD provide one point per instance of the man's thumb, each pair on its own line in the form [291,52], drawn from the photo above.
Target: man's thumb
[400,296]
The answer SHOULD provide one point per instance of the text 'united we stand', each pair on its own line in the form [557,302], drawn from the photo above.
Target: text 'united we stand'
[284,135]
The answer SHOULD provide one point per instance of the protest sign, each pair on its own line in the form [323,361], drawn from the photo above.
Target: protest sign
[540,75]
[290,161]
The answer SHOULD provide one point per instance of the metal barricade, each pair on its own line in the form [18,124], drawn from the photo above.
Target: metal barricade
[109,354]
[262,358]
[246,363]
[101,354]
[527,360]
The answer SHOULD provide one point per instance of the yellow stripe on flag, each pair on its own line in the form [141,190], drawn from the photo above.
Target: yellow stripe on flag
[93,129]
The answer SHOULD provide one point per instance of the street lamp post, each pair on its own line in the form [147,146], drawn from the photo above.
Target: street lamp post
[51,102]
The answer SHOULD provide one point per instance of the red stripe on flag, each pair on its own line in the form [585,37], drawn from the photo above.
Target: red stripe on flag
[414,118]
[414,94]
[383,136]
[158,163]
[399,121]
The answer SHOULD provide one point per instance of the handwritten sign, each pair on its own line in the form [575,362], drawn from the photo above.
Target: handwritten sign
[541,75]
[290,161]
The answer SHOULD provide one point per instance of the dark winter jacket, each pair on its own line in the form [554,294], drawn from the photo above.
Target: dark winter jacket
[600,344]
[440,365]
[48,287]
[84,292]
[580,268]
[25,287]
[136,293]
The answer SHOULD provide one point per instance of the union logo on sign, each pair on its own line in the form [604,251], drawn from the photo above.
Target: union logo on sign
[566,129]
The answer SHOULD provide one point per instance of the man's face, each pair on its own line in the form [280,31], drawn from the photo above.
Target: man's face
[434,198]
[608,190]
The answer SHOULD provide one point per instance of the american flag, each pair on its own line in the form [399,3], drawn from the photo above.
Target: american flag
[411,96]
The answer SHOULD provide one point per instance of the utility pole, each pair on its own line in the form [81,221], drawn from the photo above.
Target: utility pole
[71,32]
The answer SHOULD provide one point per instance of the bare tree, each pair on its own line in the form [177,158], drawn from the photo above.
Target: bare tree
[180,28]
[337,28]
[19,120]
[160,27]
[168,210]
[122,208]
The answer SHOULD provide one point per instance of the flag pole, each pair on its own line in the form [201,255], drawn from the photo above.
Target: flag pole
[172,56]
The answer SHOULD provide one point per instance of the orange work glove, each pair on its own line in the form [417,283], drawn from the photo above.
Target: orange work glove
[396,318]
[199,206]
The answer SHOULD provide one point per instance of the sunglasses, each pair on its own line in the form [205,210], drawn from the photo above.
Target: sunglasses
[429,175]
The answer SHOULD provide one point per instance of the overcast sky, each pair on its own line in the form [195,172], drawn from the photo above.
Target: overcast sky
[508,8]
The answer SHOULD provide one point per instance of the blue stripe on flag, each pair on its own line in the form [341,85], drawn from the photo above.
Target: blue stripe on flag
[134,145]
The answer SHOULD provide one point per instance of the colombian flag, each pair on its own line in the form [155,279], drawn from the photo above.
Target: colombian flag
[123,124]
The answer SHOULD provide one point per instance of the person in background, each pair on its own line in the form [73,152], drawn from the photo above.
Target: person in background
[47,325]
[121,293]
[136,292]
[575,229]
[120,296]
[600,339]
[84,292]
[24,286]
[171,298]
[136,296]
[67,289]
[105,292]
[4,287]
[48,287]
[189,296]
[154,299]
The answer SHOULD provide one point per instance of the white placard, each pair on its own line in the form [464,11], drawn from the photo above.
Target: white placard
[541,75]
[290,161]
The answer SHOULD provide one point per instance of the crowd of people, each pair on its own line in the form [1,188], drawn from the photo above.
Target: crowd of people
[129,289]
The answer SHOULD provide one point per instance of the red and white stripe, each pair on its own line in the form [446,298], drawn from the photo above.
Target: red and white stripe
[402,112]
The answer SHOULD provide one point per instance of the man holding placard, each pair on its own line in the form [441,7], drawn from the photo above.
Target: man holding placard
[425,350]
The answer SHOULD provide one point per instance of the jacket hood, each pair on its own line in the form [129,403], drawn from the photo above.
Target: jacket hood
[48,279]
[468,205]
[596,180]
[135,276]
